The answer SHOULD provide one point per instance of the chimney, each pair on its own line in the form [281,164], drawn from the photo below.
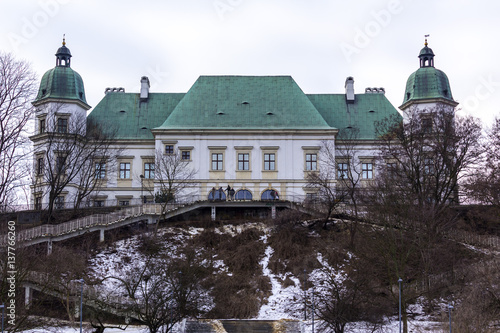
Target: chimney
[349,89]
[144,88]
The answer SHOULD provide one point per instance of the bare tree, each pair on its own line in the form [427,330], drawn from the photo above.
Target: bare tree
[163,291]
[17,90]
[60,273]
[70,155]
[421,162]
[340,162]
[345,295]
[484,185]
[102,158]
[173,175]
[424,159]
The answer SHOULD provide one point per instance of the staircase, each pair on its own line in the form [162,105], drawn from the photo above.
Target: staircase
[243,326]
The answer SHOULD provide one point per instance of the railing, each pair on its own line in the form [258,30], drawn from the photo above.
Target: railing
[45,282]
[118,216]
[184,199]
[88,222]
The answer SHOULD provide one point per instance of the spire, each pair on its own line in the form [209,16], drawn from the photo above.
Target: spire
[426,55]
[63,55]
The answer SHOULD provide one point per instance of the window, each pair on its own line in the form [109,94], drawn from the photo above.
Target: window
[186,155]
[311,197]
[427,125]
[100,170]
[124,170]
[392,169]
[243,195]
[269,195]
[61,164]
[311,162]
[244,161]
[342,170]
[59,203]
[42,126]
[38,203]
[217,159]
[149,170]
[217,194]
[123,203]
[269,161]
[169,149]
[39,166]
[98,203]
[62,125]
[367,170]
[428,166]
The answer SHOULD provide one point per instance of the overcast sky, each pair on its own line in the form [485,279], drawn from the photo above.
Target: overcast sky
[318,42]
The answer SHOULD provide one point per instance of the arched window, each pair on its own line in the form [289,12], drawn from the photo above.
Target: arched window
[269,195]
[243,195]
[217,195]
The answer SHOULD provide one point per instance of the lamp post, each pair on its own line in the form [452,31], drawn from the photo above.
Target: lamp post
[142,189]
[81,305]
[399,281]
[305,297]
[312,313]
[450,307]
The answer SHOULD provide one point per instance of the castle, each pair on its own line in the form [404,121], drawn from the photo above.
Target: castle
[259,135]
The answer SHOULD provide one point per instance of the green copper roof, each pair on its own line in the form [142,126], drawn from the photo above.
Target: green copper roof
[427,83]
[126,117]
[245,102]
[238,102]
[362,114]
[61,83]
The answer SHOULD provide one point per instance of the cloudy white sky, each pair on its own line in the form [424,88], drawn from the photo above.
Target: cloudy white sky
[318,42]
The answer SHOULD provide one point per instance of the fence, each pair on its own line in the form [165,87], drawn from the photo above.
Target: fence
[88,221]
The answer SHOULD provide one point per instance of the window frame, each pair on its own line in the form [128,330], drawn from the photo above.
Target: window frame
[269,164]
[311,163]
[42,125]
[38,203]
[100,170]
[342,173]
[169,149]
[124,170]
[243,161]
[40,165]
[149,170]
[61,164]
[62,125]
[367,173]
[185,153]
[59,202]
[219,163]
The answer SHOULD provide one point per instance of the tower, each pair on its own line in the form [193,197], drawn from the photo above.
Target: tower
[428,87]
[60,102]
[61,117]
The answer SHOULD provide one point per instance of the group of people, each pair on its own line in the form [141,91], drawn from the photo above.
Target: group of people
[219,194]
[228,194]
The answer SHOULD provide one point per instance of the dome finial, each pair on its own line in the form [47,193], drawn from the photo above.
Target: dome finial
[64,39]
[426,39]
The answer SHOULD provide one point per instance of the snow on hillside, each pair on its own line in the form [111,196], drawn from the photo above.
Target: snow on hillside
[283,303]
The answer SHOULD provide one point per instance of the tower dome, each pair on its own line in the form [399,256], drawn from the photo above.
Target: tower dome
[62,82]
[427,84]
